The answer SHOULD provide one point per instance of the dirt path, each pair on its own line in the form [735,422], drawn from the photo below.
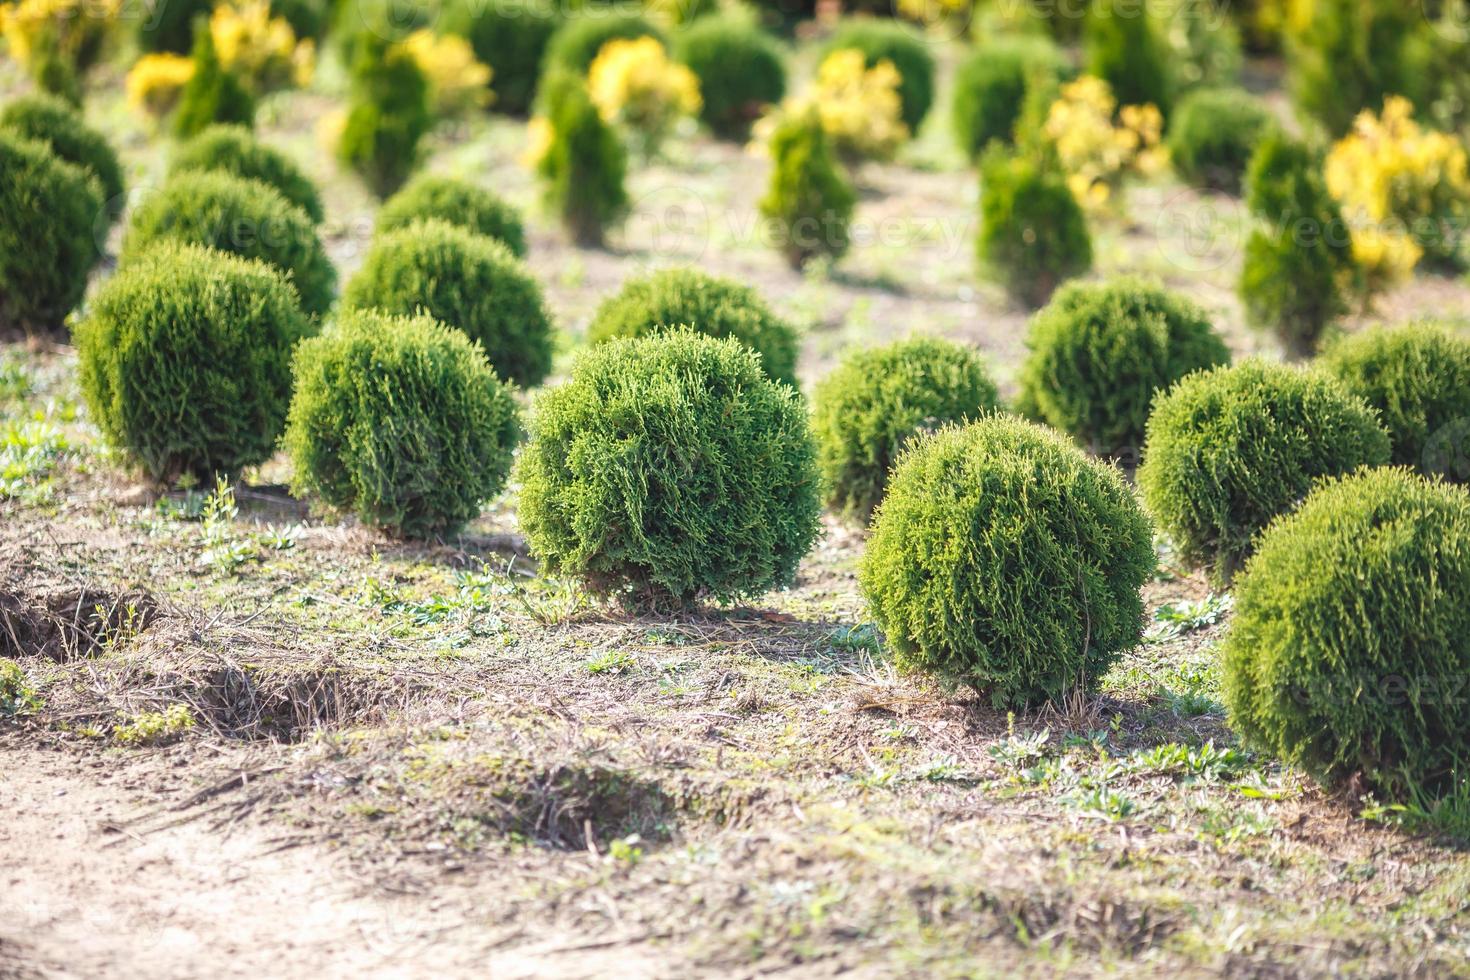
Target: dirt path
[99,878]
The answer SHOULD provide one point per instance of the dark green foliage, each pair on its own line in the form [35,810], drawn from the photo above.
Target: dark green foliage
[308,18]
[512,39]
[991,86]
[1350,642]
[875,401]
[809,202]
[235,150]
[581,36]
[212,95]
[54,71]
[1418,378]
[457,202]
[244,217]
[740,69]
[185,360]
[466,281]
[1299,257]
[402,421]
[1033,235]
[1230,449]
[670,470]
[359,26]
[1004,559]
[55,123]
[708,304]
[1099,353]
[1214,134]
[388,116]
[585,165]
[168,25]
[1126,47]
[51,214]
[887,40]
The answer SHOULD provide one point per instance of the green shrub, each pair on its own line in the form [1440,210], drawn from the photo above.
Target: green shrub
[1350,640]
[212,95]
[740,68]
[168,25]
[1213,135]
[581,36]
[1099,353]
[512,39]
[991,85]
[388,116]
[235,150]
[457,202]
[185,360]
[808,203]
[670,470]
[1004,559]
[464,280]
[1418,378]
[708,304]
[50,213]
[244,217]
[363,26]
[875,401]
[1298,261]
[1126,46]
[55,70]
[55,123]
[1033,235]
[400,420]
[584,165]
[308,18]
[1230,449]
[887,40]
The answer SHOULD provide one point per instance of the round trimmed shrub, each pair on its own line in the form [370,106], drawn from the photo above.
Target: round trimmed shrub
[578,39]
[708,304]
[465,280]
[402,421]
[56,123]
[887,40]
[1350,639]
[49,211]
[1418,378]
[1230,449]
[991,86]
[1214,134]
[459,203]
[1100,352]
[670,470]
[875,401]
[243,217]
[185,360]
[512,39]
[234,150]
[740,69]
[1033,235]
[1004,559]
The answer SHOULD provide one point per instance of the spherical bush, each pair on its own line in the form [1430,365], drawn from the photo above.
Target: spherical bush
[457,202]
[1229,449]
[875,401]
[1350,641]
[402,421]
[512,40]
[740,69]
[54,122]
[49,212]
[1004,559]
[185,360]
[577,41]
[669,470]
[1033,235]
[1099,353]
[883,40]
[991,85]
[710,305]
[1418,378]
[1214,134]
[467,281]
[234,150]
[243,217]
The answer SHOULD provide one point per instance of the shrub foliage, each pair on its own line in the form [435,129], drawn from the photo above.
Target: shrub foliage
[388,115]
[579,38]
[808,202]
[511,39]
[740,70]
[991,88]
[668,470]
[457,202]
[882,40]
[235,150]
[1033,234]
[52,121]
[402,421]
[212,94]
[1004,559]
[584,162]
[1214,134]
